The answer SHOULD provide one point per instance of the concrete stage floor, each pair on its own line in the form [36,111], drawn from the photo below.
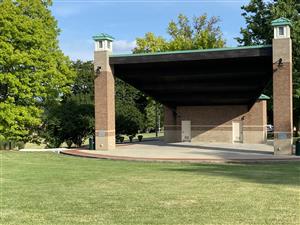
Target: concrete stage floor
[186,152]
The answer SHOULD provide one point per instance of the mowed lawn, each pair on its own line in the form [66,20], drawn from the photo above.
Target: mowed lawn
[48,188]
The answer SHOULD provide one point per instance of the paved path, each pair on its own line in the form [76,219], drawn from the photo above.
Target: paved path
[190,152]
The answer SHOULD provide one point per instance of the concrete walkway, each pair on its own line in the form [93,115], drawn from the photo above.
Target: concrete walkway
[190,152]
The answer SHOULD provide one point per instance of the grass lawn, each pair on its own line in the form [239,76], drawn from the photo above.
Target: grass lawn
[47,188]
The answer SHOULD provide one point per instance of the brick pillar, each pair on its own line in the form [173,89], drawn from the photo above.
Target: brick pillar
[282,90]
[104,102]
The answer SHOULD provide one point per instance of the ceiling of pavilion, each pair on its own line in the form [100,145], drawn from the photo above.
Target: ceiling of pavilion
[208,77]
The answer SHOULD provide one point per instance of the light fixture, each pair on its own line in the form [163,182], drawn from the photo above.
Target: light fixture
[280,62]
[98,70]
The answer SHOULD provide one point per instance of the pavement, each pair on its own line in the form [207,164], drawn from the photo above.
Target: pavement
[57,150]
[186,152]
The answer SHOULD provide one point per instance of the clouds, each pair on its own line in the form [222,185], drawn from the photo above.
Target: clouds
[123,46]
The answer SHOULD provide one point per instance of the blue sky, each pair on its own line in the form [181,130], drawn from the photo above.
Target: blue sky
[79,20]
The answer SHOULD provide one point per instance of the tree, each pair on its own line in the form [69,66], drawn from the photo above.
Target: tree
[129,120]
[70,122]
[83,87]
[125,93]
[259,15]
[129,107]
[202,33]
[72,119]
[150,114]
[150,43]
[33,70]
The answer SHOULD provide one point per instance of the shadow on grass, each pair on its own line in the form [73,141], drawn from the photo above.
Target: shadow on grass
[268,173]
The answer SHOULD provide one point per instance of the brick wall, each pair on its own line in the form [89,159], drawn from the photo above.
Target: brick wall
[214,123]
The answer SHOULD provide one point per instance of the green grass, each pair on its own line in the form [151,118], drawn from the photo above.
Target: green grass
[47,188]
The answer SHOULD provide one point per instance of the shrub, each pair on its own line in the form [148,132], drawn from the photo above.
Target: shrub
[121,138]
[129,120]
[140,137]
[131,138]
[69,121]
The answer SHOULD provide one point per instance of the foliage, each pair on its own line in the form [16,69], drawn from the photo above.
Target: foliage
[51,129]
[83,86]
[258,15]
[72,119]
[153,115]
[202,33]
[129,120]
[130,104]
[150,43]
[140,137]
[69,121]
[33,70]
[150,112]
[126,93]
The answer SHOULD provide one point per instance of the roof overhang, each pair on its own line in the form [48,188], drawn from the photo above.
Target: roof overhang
[227,76]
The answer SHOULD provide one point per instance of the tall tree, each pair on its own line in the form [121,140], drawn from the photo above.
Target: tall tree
[129,107]
[259,15]
[83,86]
[72,119]
[150,43]
[201,33]
[33,70]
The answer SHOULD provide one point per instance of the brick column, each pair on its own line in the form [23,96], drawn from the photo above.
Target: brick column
[282,94]
[104,102]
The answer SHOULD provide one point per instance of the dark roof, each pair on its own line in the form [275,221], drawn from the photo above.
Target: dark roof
[199,77]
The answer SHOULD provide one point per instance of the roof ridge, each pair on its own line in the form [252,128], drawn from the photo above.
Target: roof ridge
[191,51]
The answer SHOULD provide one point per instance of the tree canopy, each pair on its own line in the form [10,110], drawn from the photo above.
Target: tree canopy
[33,70]
[201,33]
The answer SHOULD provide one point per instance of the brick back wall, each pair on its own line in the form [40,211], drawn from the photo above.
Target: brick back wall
[210,115]
[214,123]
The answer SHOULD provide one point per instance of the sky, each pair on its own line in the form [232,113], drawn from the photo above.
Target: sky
[126,20]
